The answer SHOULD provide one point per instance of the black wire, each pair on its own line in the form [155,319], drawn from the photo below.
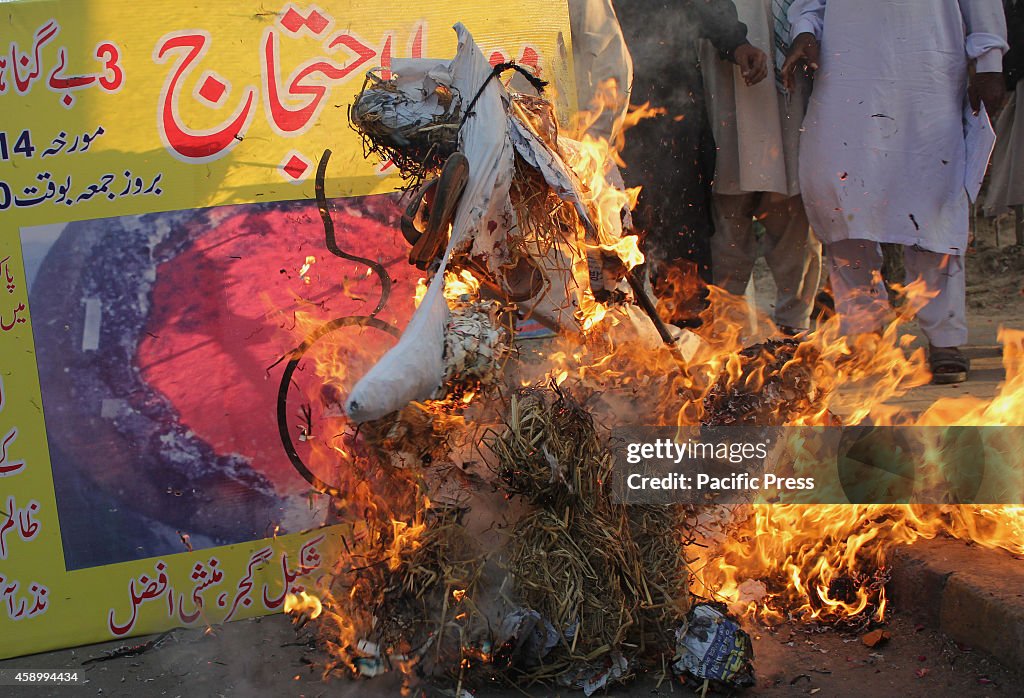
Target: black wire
[535,81]
[332,242]
[286,379]
[351,320]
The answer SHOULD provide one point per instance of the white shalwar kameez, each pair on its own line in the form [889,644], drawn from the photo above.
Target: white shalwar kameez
[757,136]
[882,156]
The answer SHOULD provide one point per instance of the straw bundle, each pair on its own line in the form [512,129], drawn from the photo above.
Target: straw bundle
[610,579]
[550,453]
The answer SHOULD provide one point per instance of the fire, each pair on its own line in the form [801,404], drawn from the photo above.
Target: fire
[819,563]
[461,284]
[405,538]
[810,562]
[456,286]
[303,605]
[304,269]
[830,562]
[595,162]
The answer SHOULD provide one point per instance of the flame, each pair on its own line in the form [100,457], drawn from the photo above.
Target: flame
[304,269]
[825,563]
[812,562]
[406,537]
[594,162]
[830,562]
[456,286]
[462,284]
[303,605]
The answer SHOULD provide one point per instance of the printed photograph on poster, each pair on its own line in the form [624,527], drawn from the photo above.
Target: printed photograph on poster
[160,341]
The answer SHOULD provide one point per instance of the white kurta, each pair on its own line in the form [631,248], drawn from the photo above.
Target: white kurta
[882,156]
[755,152]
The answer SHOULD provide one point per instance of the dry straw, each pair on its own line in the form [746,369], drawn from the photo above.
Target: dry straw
[609,578]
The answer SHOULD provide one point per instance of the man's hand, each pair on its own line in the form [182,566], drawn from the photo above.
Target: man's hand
[987,88]
[753,63]
[804,51]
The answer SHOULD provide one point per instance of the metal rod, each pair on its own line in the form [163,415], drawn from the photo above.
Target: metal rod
[647,305]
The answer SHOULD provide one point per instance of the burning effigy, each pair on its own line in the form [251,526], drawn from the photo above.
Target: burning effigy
[521,222]
[485,544]
[527,570]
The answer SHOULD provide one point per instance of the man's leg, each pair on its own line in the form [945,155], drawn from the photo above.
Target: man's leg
[794,256]
[943,319]
[734,245]
[855,269]
[733,253]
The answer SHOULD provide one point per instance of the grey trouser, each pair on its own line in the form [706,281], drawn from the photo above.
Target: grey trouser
[790,249]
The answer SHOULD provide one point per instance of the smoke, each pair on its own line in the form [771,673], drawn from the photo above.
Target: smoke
[662,40]
[671,157]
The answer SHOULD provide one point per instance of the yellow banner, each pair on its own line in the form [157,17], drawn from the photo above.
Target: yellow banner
[142,485]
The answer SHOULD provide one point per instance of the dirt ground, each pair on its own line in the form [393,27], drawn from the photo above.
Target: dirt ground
[995,270]
[265,657]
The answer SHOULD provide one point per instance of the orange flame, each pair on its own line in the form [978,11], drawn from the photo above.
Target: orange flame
[303,604]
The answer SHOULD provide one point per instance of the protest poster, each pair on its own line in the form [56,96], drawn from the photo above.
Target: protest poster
[159,244]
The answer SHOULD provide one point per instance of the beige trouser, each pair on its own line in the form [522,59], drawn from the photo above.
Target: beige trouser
[855,268]
[790,249]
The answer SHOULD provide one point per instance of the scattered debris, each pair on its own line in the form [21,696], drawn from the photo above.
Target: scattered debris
[711,647]
[614,668]
[876,638]
[787,387]
[526,638]
[132,650]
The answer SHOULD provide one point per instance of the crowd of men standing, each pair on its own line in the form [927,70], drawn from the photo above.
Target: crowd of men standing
[836,125]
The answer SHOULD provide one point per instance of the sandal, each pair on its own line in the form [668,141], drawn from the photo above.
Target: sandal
[948,365]
[790,332]
[428,233]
